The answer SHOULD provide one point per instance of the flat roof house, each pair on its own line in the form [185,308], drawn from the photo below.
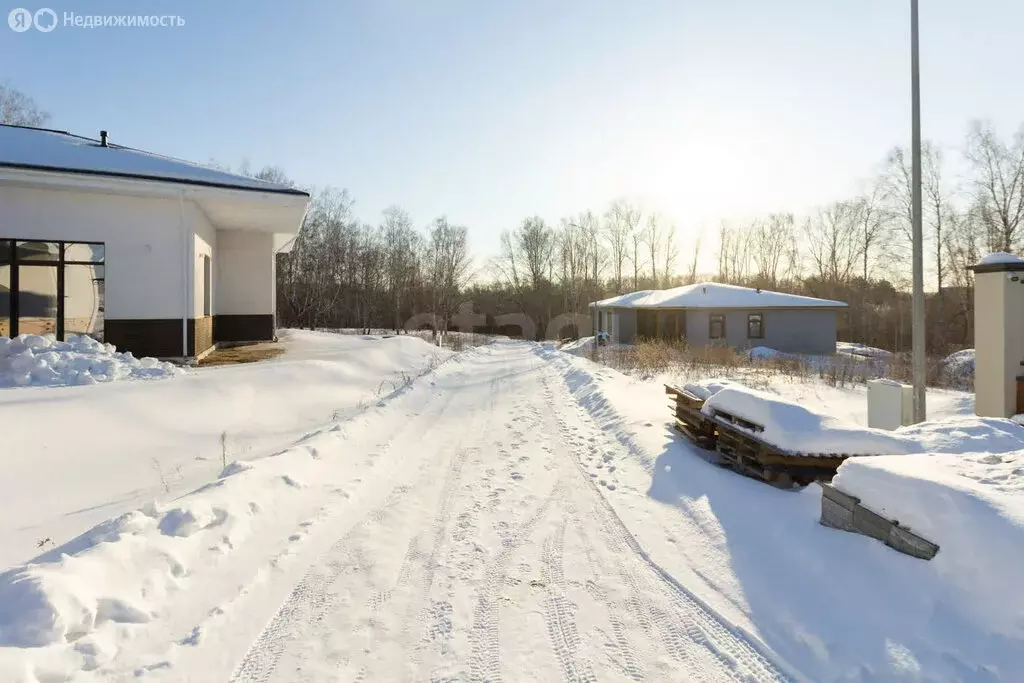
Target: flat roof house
[158,256]
[709,313]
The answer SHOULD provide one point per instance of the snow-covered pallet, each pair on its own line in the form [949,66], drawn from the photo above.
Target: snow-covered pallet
[735,441]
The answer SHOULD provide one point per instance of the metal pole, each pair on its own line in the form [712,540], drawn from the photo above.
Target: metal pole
[917,317]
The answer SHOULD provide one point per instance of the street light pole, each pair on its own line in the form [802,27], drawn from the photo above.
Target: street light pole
[917,317]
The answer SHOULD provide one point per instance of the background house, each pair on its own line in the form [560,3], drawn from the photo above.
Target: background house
[714,313]
[155,255]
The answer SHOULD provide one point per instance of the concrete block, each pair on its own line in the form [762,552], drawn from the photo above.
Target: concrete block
[838,497]
[870,524]
[910,543]
[835,515]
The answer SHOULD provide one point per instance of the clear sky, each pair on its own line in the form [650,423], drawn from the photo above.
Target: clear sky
[491,110]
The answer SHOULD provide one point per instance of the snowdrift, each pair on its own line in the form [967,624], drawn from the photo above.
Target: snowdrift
[35,360]
[79,457]
[861,350]
[972,505]
[125,570]
[959,367]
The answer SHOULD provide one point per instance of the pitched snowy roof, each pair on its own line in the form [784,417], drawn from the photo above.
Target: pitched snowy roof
[55,150]
[715,295]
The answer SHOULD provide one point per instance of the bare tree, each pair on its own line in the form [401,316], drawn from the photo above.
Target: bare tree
[448,266]
[998,177]
[311,276]
[573,246]
[401,245]
[832,243]
[771,237]
[691,277]
[733,253]
[621,220]
[871,218]
[17,108]
[651,237]
[670,253]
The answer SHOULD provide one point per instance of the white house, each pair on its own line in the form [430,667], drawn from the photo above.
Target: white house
[158,256]
[712,313]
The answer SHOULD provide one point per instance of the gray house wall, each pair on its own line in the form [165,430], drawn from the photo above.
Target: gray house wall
[804,330]
[625,325]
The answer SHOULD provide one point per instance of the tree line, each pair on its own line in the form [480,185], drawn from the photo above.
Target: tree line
[344,272]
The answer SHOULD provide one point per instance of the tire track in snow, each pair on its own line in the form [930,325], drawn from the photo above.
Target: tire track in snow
[430,617]
[558,613]
[485,662]
[620,647]
[307,604]
[688,618]
[309,601]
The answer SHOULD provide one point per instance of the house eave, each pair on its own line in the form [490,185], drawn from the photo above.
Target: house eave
[191,182]
[831,307]
[226,207]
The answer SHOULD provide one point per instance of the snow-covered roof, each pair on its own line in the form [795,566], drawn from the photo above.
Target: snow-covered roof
[999,257]
[54,150]
[715,295]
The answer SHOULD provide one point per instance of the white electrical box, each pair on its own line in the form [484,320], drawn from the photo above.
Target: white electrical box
[890,404]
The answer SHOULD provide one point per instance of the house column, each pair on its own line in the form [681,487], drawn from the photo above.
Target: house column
[244,291]
[998,335]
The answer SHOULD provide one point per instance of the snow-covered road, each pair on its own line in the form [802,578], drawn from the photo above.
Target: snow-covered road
[487,552]
[509,512]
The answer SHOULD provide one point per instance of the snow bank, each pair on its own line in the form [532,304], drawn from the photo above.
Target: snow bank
[959,366]
[856,349]
[766,353]
[123,570]
[35,360]
[579,345]
[795,427]
[120,444]
[972,505]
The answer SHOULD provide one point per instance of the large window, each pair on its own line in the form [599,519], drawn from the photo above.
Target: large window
[51,287]
[755,326]
[717,326]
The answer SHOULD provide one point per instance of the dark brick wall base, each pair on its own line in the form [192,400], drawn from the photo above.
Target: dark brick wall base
[160,338]
[241,328]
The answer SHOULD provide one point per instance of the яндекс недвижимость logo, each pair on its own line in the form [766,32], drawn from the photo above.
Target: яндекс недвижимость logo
[21,20]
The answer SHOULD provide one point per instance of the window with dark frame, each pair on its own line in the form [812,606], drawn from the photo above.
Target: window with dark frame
[717,326]
[755,326]
[51,287]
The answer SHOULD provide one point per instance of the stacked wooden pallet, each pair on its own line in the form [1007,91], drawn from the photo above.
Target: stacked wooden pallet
[739,446]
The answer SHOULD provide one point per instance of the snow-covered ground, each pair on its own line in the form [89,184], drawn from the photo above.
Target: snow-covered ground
[972,505]
[836,606]
[82,454]
[517,513]
[459,530]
